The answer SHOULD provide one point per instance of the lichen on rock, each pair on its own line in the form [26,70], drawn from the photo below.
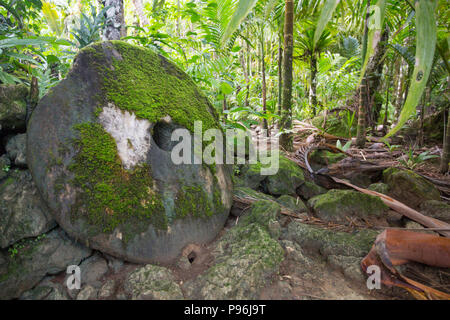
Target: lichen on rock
[245,258]
[152,282]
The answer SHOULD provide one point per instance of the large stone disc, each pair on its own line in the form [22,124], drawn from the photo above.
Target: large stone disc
[99,149]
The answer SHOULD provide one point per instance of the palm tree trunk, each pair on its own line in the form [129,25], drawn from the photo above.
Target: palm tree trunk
[361,133]
[280,75]
[138,5]
[313,94]
[286,140]
[115,28]
[264,84]
[446,152]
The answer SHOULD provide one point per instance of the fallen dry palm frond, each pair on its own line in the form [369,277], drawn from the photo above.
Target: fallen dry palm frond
[403,209]
[397,247]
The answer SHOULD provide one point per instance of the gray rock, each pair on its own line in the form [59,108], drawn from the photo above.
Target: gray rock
[379,187]
[245,192]
[292,203]
[36,258]
[46,290]
[100,151]
[107,290]
[323,158]
[93,269]
[309,190]
[436,209]
[114,264]
[288,178]
[245,259]
[295,252]
[250,176]
[262,212]
[408,187]
[13,107]
[5,165]
[22,212]
[152,283]
[88,293]
[16,150]
[349,266]
[339,205]
[315,240]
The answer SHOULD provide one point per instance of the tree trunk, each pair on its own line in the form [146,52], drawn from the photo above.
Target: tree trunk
[143,20]
[264,84]
[286,140]
[313,92]
[361,133]
[374,76]
[115,27]
[446,152]
[280,75]
[247,80]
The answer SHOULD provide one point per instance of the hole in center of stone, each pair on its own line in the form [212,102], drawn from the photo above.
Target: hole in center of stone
[191,257]
[162,134]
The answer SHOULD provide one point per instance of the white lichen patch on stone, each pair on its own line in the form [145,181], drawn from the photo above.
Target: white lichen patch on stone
[132,135]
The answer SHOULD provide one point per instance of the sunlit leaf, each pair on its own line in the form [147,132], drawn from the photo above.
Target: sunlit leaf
[244,7]
[425,48]
[375,25]
[325,16]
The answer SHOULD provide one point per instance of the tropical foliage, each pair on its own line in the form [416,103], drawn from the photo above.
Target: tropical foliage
[234,50]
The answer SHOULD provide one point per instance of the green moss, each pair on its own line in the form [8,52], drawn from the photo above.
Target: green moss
[112,196]
[147,84]
[325,158]
[193,200]
[335,205]
[329,242]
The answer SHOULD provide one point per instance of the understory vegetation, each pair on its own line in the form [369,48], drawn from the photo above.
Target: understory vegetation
[366,68]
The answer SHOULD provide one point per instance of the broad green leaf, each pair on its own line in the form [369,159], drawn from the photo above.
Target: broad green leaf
[21,56]
[425,48]
[325,16]
[7,78]
[225,88]
[13,42]
[244,7]
[51,16]
[375,25]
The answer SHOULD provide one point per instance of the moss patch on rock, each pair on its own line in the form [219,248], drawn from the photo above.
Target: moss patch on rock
[152,282]
[245,258]
[147,84]
[379,187]
[292,203]
[323,158]
[112,196]
[288,178]
[329,242]
[407,186]
[309,190]
[337,205]
[436,209]
[249,176]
